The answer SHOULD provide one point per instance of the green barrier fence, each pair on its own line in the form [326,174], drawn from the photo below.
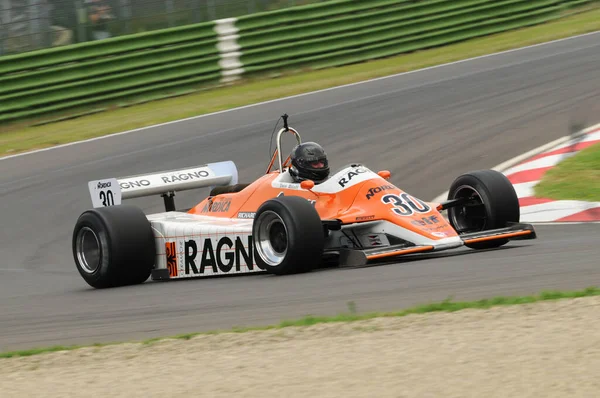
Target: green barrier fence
[71,77]
[172,61]
[360,30]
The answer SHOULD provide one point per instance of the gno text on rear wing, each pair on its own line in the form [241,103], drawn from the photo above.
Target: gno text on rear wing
[111,191]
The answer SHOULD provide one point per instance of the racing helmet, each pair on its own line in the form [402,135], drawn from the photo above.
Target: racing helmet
[309,162]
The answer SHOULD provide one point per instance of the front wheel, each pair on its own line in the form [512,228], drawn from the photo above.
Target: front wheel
[493,203]
[288,235]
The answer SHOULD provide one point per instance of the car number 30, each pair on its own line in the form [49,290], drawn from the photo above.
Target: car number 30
[107,198]
[405,205]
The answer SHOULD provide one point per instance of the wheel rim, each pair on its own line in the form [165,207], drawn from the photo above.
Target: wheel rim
[87,247]
[272,238]
[469,217]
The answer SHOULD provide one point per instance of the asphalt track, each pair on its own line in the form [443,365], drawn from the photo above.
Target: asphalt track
[425,127]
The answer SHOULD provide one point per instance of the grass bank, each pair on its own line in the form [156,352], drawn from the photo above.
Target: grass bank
[575,178]
[15,138]
[445,306]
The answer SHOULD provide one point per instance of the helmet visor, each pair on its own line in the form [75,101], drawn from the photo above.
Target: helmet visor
[314,163]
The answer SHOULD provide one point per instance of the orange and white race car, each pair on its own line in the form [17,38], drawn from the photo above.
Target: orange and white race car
[280,226]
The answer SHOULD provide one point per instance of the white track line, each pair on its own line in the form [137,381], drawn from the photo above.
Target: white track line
[525,189]
[546,212]
[565,222]
[536,151]
[589,137]
[546,161]
[301,95]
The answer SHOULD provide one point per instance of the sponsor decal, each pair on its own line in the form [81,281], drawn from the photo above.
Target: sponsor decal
[439,234]
[286,185]
[431,223]
[134,184]
[426,221]
[351,174]
[221,257]
[102,185]
[373,191]
[219,206]
[185,176]
[246,214]
[171,254]
[435,228]
[164,178]
[365,218]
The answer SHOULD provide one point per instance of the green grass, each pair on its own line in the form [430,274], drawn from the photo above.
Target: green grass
[445,306]
[15,138]
[576,178]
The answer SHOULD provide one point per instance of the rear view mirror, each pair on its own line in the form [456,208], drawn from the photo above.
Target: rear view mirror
[384,174]
[307,184]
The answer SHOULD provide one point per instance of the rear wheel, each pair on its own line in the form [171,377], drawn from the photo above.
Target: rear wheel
[288,235]
[493,203]
[113,246]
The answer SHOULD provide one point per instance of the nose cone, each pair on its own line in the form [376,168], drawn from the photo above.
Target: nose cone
[389,202]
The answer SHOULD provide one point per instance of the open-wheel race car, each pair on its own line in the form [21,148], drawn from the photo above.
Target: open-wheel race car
[279,225]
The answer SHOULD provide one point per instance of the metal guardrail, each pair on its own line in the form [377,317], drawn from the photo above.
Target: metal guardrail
[343,32]
[119,69]
[173,61]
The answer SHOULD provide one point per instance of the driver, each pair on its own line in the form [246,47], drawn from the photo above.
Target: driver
[309,162]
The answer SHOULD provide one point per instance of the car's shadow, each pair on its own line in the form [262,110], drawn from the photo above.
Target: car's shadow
[399,260]
[409,258]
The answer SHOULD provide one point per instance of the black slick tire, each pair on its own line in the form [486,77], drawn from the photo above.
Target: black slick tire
[113,246]
[288,236]
[496,205]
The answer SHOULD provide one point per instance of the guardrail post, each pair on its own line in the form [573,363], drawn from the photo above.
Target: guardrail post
[210,6]
[170,9]
[5,5]
[196,13]
[125,15]
[81,21]
[231,66]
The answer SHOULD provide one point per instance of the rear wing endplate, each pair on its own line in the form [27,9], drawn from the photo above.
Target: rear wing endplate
[111,191]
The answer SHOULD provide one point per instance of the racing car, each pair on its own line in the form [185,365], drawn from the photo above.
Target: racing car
[279,226]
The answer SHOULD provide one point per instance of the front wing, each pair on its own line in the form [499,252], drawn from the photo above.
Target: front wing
[361,257]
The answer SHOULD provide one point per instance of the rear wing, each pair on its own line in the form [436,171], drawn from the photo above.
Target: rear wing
[110,191]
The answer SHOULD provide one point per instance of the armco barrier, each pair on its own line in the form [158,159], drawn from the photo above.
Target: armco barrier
[355,31]
[123,68]
[333,33]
